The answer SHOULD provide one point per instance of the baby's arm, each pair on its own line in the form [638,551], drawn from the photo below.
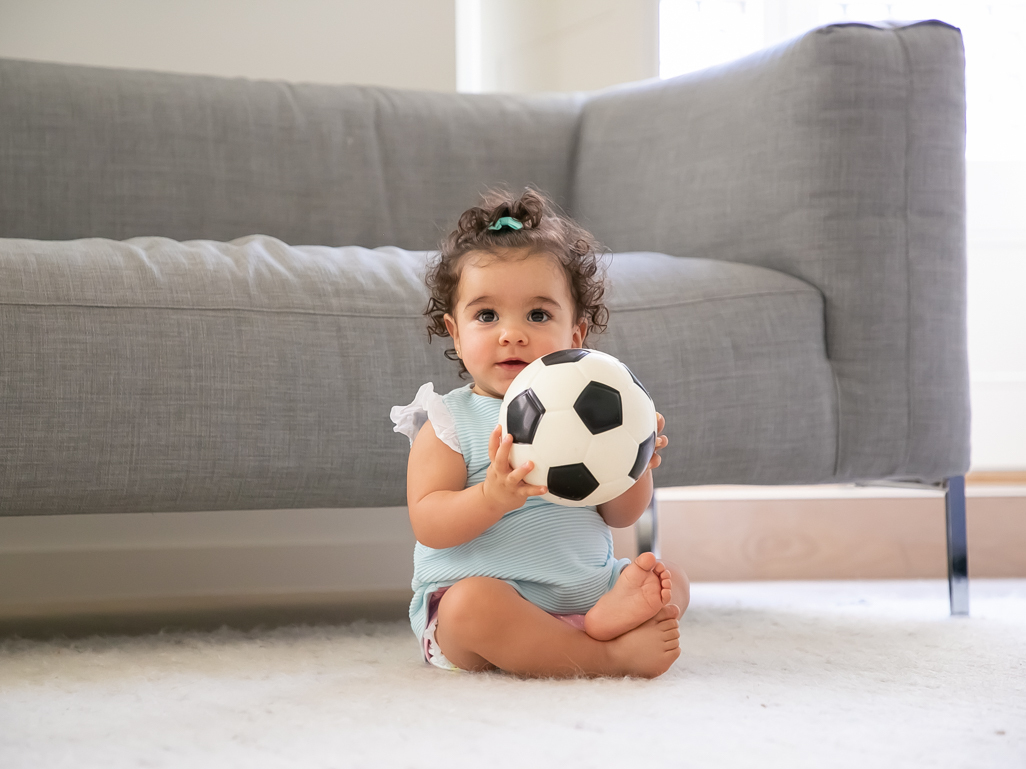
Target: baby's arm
[444,513]
[627,508]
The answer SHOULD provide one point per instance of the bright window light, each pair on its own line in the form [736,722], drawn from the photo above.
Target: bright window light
[694,34]
[995,64]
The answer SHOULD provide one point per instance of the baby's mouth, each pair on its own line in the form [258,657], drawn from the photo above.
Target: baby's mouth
[512,365]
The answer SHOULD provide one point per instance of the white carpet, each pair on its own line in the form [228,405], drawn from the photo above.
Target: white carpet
[842,674]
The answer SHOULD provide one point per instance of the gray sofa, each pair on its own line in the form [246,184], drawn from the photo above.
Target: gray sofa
[211,294]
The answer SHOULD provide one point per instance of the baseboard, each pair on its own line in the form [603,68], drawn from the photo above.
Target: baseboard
[836,532]
[80,574]
[143,571]
[138,573]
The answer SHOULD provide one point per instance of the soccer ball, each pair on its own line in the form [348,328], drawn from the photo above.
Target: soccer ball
[585,421]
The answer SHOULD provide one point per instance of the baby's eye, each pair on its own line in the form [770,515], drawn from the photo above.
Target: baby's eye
[539,316]
[487,316]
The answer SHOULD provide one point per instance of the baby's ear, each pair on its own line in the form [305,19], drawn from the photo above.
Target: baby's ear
[580,333]
[450,325]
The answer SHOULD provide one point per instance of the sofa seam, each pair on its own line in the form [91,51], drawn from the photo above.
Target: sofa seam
[910,86]
[267,310]
[376,315]
[732,297]
[883,26]
[837,416]
[575,158]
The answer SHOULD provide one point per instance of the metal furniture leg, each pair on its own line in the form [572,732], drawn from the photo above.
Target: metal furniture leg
[647,533]
[958,545]
[646,530]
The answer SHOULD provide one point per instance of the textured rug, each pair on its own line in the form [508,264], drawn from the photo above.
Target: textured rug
[842,674]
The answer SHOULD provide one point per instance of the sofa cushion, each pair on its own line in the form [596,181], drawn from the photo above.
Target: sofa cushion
[152,375]
[748,343]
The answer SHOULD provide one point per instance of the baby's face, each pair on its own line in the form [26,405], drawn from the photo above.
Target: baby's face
[508,312]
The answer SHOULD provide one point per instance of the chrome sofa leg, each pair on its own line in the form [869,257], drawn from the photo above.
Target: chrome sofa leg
[647,532]
[646,529]
[958,545]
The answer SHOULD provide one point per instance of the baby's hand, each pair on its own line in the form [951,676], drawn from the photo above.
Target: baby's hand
[661,441]
[504,487]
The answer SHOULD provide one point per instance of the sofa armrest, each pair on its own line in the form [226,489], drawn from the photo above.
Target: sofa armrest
[838,158]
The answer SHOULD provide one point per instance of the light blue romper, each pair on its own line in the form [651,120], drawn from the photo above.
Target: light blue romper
[558,558]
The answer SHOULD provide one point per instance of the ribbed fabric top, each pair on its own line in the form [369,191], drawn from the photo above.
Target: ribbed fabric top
[558,558]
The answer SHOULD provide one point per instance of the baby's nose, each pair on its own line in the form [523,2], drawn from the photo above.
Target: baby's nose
[513,332]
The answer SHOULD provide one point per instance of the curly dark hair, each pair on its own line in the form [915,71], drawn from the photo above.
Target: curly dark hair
[546,230]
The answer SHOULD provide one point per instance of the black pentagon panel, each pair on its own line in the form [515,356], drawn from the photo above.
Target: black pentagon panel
[523,416]
[573,482]
[645,451]
[599,407]
[639,384]
[563,356]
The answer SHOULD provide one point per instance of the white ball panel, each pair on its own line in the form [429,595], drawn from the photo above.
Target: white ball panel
[557,387]
[538,476]
[611,455]
[639,415]
[608,491]
[600,367]
[519,453]
[562,439]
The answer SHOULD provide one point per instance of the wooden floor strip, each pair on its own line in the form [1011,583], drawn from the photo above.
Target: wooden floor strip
[1010,478]
[836,534]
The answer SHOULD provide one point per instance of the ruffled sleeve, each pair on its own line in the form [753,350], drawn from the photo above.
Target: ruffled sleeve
[426,405]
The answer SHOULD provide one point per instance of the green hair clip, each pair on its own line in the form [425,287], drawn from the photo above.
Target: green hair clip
[507,221]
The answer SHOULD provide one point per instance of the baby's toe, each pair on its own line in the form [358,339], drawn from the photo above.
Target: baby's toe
[647,561]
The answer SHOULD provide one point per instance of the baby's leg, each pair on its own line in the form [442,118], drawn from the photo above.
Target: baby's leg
[485,623]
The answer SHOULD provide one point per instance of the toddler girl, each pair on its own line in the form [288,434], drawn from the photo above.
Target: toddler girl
[502,578]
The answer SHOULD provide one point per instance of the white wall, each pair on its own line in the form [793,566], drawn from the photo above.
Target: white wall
[524,46]
[997,312]
[398,43]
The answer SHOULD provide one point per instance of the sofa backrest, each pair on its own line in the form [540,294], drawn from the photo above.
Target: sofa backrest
[93,152]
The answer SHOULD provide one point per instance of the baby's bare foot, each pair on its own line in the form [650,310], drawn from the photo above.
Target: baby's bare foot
[649,650]
[642,589]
